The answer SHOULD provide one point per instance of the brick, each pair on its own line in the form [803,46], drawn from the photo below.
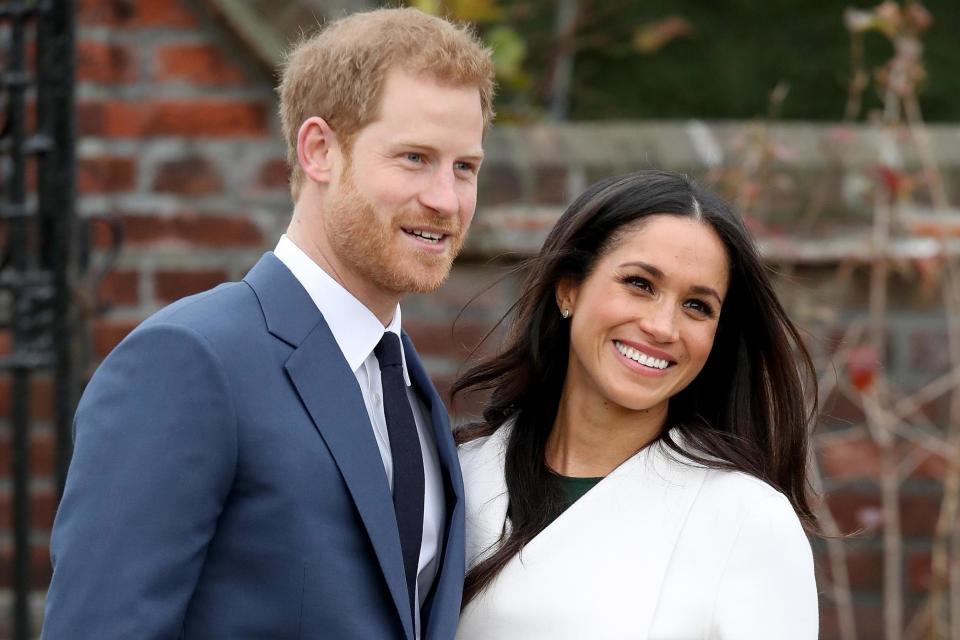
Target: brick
[864,568]
[855,511]
[42,454]
[194,229]
[41,398]
[217,231]
[135,13]
[443,339]
[105,63]
[104,233]
[918,514]
[121,287]
[274,174]
[839,408]
[851,458]
[859,510]
[43,507]
[928,350]
[500,184]
[467,407]
[112,119]
[920,571]
[931,465]
[551,185]
[867,617]
[106,174]
[199,64]
[192,176]
[173,285]
[107,334]
[185,118]
[40,570]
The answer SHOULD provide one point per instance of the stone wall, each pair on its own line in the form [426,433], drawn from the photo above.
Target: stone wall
[178,142]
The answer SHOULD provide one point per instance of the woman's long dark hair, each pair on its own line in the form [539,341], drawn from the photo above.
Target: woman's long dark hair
[746,410]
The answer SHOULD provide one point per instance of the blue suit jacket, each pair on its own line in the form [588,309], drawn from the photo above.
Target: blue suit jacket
[226,484]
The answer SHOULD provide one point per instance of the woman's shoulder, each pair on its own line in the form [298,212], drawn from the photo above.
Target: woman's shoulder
[478,451]
[727,488]
[748,498]
[470,451]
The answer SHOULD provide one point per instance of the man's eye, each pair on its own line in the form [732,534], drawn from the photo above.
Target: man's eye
[415,157]
[465,166]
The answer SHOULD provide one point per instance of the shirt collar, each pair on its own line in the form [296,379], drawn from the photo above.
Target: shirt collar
[355,328]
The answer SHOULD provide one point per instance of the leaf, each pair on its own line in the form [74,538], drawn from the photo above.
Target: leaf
[862,366]
[858,20]
[918,16]
[431,7]
[475,10]
[888,18]
[509,52]
[653,36]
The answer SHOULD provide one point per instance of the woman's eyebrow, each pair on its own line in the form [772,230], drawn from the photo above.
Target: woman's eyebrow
[649,268]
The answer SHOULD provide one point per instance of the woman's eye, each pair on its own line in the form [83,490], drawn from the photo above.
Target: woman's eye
[700,307]
[639,283]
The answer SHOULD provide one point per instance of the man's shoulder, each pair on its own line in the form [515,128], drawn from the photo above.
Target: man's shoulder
[224,305]
[227,314]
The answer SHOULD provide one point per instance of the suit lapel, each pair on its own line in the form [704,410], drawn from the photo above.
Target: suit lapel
[440,611]
[329,391]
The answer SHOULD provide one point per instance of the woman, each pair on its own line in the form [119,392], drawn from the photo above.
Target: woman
[640,471]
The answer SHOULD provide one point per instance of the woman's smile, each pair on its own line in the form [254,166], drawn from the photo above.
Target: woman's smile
[649,309]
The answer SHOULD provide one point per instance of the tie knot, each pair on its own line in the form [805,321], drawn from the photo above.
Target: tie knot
[388,350]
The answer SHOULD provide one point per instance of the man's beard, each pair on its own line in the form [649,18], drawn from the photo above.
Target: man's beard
[366,241]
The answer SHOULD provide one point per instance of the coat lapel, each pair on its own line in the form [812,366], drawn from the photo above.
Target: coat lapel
[330,393]
[625,529]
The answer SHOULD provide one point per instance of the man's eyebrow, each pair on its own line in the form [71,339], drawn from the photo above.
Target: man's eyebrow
[699,289]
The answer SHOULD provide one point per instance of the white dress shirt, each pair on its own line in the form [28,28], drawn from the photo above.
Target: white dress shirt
[357,332]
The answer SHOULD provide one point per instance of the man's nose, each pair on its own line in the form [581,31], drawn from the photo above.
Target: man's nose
[441,194]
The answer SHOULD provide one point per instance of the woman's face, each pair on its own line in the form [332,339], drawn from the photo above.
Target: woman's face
[643,322]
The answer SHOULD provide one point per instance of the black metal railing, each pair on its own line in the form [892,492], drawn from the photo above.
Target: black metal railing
[36,246]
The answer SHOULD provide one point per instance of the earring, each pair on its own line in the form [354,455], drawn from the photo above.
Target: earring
[565,313]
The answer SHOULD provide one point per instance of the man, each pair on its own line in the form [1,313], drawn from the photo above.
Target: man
[267,459]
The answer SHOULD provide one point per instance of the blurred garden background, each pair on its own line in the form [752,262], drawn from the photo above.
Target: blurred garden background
[833,126]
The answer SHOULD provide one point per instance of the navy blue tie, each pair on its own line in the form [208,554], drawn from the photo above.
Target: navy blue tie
[407,458]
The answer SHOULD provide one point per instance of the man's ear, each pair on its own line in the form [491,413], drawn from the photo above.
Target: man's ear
[566,294]
[318,149]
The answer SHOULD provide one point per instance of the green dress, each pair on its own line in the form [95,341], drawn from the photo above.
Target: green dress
[574,488]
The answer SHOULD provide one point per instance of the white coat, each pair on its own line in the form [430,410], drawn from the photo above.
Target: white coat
[658,550]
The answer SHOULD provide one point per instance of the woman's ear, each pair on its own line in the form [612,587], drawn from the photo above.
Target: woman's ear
[318,149]
[566,294]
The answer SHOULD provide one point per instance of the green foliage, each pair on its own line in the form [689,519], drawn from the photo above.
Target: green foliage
[509,53]
[740,51]
[699,58]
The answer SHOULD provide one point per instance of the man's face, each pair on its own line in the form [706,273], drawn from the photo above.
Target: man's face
[397,214]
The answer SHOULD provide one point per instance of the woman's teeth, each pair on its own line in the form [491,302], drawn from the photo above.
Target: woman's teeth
[642,358]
